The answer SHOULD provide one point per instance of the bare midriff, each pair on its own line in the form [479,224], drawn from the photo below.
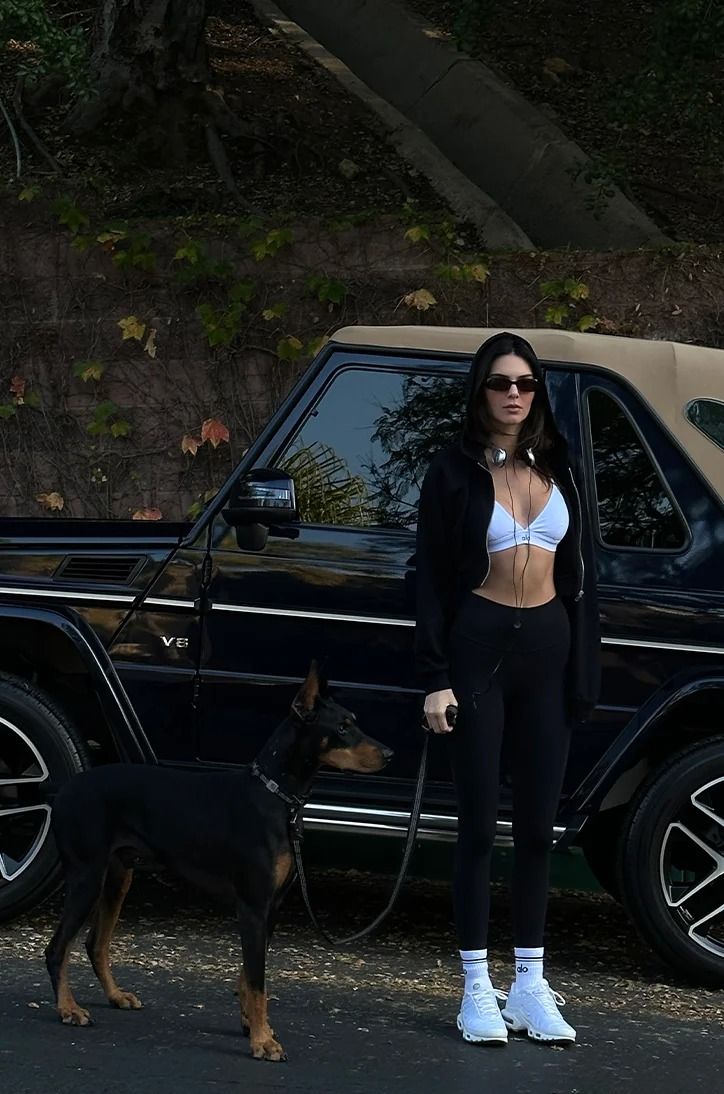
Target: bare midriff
[507,583]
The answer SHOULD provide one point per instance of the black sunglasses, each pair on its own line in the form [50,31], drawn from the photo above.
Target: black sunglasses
[498,382]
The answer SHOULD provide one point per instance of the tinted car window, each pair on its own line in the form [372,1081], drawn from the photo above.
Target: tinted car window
[634,506]
[360,455]
[708,416]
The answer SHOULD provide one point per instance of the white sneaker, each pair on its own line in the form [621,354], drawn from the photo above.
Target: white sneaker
[535,1010]
[480,1018]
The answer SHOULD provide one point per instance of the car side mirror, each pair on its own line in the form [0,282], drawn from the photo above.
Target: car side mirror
[263,496]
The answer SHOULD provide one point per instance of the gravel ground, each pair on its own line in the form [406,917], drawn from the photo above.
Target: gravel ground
[376,1016]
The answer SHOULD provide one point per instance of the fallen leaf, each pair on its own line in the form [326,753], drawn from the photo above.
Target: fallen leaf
[554,68]
[190,444]
[422,299]
[479,272]
[348,168]
[132,328]
[17,387]
[88,370]
[150,346]
[53,500]
[147,514]
[418,233]
[214,432]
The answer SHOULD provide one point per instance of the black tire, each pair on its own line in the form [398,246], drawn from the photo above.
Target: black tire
[660,866]
[599,843]
[39,749]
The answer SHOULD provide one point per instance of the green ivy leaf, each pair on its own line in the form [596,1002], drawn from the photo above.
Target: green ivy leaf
[552,288]
[418,233]
[279,237]
[576,290]
[449,272]
[289,348]
[101,423]
[191,252]
[7,410]
[70,215]
[587,322]
[328,290]
[249,226]
[242,291]
[557,314]
[272,242]
[314,345]
[276,311]
[111,236]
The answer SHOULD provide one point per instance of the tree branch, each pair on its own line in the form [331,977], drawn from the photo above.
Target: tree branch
[28,129]
[14,136]
[220,160]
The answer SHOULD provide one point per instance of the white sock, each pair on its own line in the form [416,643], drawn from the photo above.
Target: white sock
[528,966]
[475,967]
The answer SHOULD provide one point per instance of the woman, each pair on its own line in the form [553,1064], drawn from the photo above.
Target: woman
[507,644]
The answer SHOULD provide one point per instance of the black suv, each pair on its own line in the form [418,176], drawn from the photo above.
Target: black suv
[184,644]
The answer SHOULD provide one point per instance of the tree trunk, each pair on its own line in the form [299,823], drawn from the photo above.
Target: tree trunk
[149,65]
[151,78]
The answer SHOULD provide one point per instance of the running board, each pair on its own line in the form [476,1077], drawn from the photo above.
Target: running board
[391,822]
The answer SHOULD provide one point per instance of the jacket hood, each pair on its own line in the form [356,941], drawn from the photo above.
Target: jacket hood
[498,345]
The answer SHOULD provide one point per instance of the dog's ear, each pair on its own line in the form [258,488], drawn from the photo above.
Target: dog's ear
[306,698]
[322,681]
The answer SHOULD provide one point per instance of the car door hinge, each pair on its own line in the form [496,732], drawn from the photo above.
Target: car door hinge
[206,568]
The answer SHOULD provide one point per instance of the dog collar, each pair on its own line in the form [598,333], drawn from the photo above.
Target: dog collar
[274,788]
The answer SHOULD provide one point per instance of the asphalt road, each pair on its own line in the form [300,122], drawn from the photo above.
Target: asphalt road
[377,1017]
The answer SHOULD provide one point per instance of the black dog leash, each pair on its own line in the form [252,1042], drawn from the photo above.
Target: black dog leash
[409,845]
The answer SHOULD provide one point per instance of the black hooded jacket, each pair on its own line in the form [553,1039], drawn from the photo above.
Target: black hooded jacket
[456,505]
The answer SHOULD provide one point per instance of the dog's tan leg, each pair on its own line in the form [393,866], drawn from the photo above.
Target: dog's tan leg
[253,928]
[242,1004]
[82,888]
[264,1045]
[68,1010]
[117,883]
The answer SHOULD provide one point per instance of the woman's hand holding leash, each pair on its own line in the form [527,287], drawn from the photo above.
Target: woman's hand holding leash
[441,709]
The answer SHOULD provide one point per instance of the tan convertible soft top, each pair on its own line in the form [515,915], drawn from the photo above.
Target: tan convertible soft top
[668,375]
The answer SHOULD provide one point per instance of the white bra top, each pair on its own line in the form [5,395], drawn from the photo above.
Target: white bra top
[546,531]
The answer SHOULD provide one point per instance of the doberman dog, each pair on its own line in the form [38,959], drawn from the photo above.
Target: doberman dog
[229,831]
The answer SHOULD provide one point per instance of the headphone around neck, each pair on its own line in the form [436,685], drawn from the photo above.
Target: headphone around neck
[499,457]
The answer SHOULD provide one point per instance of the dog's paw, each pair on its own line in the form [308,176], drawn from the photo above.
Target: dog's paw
[268,1049]
[125,1000]
[74,1016]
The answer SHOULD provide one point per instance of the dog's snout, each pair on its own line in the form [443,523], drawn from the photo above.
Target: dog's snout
[387,753]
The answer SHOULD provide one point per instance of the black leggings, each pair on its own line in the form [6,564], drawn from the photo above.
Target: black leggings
[508,682]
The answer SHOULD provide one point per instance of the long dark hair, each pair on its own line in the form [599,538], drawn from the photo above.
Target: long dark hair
[537,431]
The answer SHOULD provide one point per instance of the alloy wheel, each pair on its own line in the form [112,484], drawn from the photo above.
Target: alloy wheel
[691,867]
[24,814]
